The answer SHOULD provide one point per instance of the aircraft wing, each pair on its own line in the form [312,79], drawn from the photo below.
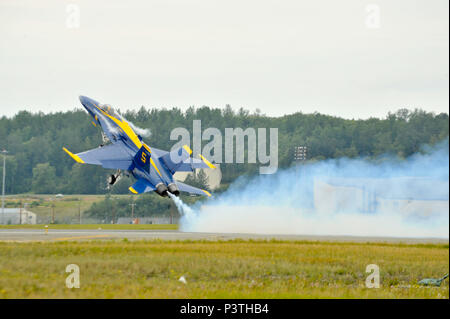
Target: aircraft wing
[113,156]
[191,189]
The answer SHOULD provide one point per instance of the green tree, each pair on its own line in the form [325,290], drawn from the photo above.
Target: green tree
[198,179]
[38,138]
[44,179]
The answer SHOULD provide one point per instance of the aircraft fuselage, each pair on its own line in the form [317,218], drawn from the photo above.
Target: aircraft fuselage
[118,130]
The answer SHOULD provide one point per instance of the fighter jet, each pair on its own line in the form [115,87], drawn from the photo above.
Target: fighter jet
[125,151]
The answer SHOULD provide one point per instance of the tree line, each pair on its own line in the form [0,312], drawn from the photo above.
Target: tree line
[36,162]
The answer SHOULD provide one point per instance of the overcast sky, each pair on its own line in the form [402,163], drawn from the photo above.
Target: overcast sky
[330,56]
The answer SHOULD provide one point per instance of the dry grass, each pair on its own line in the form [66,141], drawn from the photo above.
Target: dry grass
[232,269]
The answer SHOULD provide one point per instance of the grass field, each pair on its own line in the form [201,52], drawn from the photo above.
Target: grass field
[65,209]
[95,226]
[231,269]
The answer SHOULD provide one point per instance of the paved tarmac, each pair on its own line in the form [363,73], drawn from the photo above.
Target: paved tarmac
[24,235]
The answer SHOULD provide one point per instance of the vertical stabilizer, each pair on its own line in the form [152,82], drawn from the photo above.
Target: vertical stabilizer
[142,158]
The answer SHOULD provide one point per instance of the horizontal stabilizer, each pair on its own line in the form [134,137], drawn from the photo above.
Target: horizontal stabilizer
[191,189]
[141,186]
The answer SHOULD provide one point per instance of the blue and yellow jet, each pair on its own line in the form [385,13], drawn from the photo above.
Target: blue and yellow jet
[126,152]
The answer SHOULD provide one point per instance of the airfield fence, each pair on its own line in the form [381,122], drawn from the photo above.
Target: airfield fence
[148,220]
[120,220]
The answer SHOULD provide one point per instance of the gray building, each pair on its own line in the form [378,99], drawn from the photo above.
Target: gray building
[408,196]
[15,216]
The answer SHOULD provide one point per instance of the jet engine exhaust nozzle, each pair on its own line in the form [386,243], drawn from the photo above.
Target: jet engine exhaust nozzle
[173,188]
[161,189]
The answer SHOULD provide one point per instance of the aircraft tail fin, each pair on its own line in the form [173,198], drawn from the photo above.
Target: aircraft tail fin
[143,156]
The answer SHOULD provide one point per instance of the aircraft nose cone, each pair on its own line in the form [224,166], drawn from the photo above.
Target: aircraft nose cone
[88,103]
[85,100]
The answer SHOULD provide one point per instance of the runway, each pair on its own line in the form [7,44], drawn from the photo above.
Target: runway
[24,235]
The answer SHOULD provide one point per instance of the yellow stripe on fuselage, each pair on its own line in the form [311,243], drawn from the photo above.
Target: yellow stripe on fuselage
[147,147]
[75,157]
[130,133]
[154,165]
[125,128]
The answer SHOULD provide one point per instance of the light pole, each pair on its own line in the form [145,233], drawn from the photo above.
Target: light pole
[79,210]
[52,206]
[4,152]
[300,153]
[25,205]
[132,211]
[20,212]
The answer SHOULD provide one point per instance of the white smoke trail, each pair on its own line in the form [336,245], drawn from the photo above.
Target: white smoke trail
[106,121]
[186,212]
[386,197]
[286,220]
[141,131]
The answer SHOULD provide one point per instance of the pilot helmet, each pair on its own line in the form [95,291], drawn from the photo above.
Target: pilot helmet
[108,109]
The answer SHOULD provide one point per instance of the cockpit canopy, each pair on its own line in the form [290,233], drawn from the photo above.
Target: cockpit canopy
[108,109]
